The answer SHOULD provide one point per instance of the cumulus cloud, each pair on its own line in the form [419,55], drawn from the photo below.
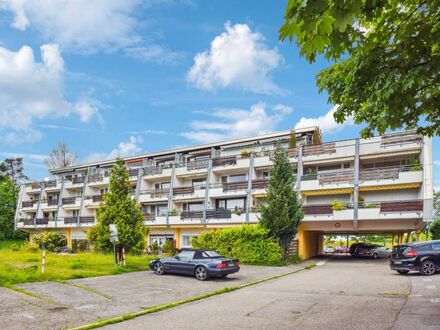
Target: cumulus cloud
[325,122]
[31,90]
[238,58]
[78,25]
[235,123]
[124,149]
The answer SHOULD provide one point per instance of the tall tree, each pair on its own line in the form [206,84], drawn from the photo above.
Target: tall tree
[121,209]
[283,213]
[435,226]
[60,157]
[8,203]
[387,53]
[13,168]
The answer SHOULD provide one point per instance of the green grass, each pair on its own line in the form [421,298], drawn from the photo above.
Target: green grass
[7,244]
[22,266]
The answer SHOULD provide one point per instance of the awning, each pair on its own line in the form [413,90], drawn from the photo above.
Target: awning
[260,195]
[327,192]
[391,187]
[329,161]
[391,154]
[189,199]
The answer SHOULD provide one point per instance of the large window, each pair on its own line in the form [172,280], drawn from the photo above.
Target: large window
[231,204]
[186,240]
[162,185]
[193,206]
[161,209]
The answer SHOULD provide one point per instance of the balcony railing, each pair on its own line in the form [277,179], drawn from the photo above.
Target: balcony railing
[79,179]
[234,186]
[401,206]
[197,164]
[188,190]
[149,216]
[191,215]
[318,209]
[389,172]
[28,222]
[52,202]
[154,193]
[95,178]
[399,139]
[68,200]
[133,172]
[41,221]
[260,184]
[224,161]
[70,220]
[86,219]
[28,203]
[97,198]
[52,183]
[318,149]
[36,185]
[218,214]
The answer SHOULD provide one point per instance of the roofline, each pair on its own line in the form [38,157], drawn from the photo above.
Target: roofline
[184,149]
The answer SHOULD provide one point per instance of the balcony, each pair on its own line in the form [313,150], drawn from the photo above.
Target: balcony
[399,139]
[260,184]
[149,195]
[319,149]
[234,186]
[133,172]
[68,200]
[28,204]
[407,174]
[97,198]
[78,180]
[218,214]
[224,161]
[28,222]
[191,215]
[88,219]
[49,184]
[197,165]
[318,209]
[41,221]
[149,216]
[328,180]
[401,206]
[36,186]
[159,171]
[70,220]
[188,190]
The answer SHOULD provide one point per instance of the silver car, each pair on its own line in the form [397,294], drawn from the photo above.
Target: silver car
[381,252]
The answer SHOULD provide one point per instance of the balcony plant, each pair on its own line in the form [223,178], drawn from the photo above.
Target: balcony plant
[292,140]
[255,209]
[173,212]
[246,153]
[338,205]
[237,211]
[414,165]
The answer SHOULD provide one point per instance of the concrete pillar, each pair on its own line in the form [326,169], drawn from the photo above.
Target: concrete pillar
[418,232]
[409,237]
[177,238]
[249,188]
[392,240]
[69,237]
[356,181]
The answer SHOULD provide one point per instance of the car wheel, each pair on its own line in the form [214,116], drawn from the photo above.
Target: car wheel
[403,272]
[428,268]
[375,256]
[201,273]
[158,268]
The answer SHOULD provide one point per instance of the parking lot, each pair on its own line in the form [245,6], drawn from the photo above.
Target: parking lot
[340,291]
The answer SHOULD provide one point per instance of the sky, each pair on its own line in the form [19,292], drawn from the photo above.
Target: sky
[126,77]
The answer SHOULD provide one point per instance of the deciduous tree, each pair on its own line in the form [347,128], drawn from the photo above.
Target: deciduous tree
[60,157]
[387,53]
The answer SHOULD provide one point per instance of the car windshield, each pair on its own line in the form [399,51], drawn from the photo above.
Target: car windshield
[211,254]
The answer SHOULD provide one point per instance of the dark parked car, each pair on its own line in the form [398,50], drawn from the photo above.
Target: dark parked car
[423,257]
[362,249]
[200,263]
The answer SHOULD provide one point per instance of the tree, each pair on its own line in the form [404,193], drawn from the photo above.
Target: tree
[8,198]
[283,213]
[60,157]
[119,208]
[13,168]
[387,72]
[435,226]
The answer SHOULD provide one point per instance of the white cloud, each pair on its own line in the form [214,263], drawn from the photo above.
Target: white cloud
[325,122]
[78,25]
[124,149]
[235,123]
[31,90]
[237,58]
[154,53]
[437,162]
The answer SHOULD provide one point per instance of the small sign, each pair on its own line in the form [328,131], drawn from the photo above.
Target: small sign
[113,233]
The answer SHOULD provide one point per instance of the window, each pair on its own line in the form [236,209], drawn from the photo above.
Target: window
[186,240]
[186,255]
[231,204]
[78,193]
[266,175]
[193,206]
[75,213]
[162,185]
[103,191]
[198,182]
[237,178]
[210,254]
[436,246]
[329,168]
[161,209]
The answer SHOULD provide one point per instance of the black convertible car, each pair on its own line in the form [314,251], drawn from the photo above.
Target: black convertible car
[200,263]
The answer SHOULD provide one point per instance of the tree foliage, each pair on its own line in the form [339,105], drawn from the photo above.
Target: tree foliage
[60,157]
[435,226]
[388,59]
[121,209]
[8,203]
[13,168]
[283,213]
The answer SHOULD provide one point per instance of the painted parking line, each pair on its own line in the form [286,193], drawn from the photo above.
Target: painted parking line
[431,287]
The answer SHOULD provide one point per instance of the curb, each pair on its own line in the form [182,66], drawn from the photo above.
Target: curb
[162,307]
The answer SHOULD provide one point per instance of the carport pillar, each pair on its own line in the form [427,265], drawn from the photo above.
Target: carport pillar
[392,240]
[69,237]
[418,235]
[410,237]
[356,181]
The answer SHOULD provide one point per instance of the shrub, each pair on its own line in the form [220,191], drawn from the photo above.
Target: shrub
[31,247]
[435,229]
[80,245]
[338,205]
[14,247]
[168,247]
[246,153]
[295,259]
[51,241]
[250,244]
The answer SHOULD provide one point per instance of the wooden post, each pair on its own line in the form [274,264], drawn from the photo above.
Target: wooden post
[43,261]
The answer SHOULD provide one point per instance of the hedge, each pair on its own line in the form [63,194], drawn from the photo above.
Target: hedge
[250,244]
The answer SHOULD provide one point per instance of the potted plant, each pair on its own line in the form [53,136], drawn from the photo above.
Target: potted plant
[246,153]
[173,212]
[338,205]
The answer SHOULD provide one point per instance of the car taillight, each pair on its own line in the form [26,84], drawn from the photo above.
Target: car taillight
[222,265]
[410,253]
[237,263]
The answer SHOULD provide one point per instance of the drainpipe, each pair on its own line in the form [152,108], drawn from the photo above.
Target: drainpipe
[39,202]
[356,181]
[138,184]
[249,188]
[170,193]
[60,198]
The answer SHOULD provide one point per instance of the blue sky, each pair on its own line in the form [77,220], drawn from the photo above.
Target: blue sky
[127,77]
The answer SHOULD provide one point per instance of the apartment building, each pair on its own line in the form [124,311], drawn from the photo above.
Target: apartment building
[377,185]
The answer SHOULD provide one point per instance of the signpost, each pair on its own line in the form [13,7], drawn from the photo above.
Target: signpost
[114,239]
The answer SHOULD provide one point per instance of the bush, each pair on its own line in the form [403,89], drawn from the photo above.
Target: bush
[51,241]
[338,205]
[80,245]
[168,247]
[435,229]
[14,247]
[31,247]
[250,244]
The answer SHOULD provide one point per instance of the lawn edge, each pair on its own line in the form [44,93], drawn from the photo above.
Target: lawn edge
[154,309]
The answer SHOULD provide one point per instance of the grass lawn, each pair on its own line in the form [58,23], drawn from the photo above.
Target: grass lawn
[22,266]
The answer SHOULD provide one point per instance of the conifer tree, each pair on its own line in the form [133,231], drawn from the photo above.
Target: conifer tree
[119,208]
[282,213]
